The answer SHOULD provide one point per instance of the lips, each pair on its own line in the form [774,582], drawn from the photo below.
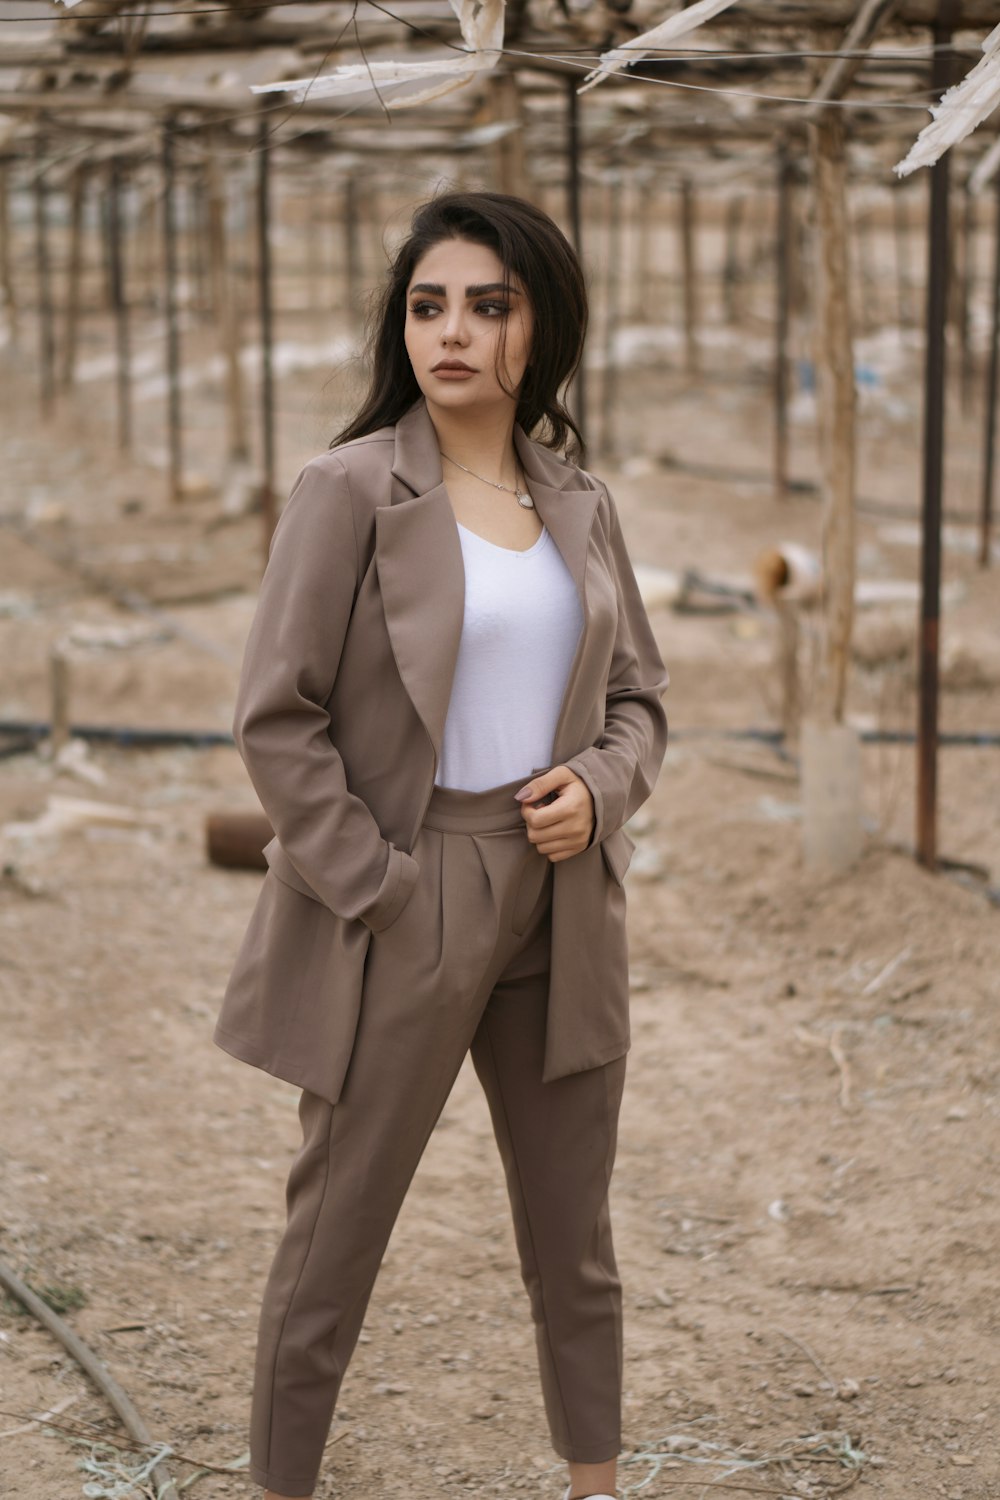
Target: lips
[453,364]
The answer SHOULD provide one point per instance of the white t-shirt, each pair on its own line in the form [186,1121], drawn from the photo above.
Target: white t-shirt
[520,631]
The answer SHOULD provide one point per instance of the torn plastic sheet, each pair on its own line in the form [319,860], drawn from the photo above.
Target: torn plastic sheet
[404,84]
[959,110]
[676,25]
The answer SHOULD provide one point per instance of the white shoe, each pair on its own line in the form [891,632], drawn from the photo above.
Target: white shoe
[588,1497]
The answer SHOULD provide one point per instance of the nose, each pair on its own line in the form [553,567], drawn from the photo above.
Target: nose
[453,327]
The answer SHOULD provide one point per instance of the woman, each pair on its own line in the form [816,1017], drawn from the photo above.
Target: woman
[449,706]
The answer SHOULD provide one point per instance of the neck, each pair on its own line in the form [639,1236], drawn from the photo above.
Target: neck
[482,440]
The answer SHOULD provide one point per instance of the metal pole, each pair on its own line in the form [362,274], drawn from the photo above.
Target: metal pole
[992,384]
[170,304]
[578,388]
[265,309]
[933,465]
[690,270]
[46,332]
[784,232]
[120,302]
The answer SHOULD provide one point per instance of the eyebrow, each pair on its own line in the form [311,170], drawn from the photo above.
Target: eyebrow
[437,290]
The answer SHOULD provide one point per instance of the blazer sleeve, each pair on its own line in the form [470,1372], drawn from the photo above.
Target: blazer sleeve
[280,723]
[621,770]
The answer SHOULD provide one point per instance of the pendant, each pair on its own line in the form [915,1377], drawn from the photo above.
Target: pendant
[523,498]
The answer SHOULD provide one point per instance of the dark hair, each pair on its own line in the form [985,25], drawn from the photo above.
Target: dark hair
[528,244]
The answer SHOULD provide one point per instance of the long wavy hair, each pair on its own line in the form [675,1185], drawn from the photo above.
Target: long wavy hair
[528,244]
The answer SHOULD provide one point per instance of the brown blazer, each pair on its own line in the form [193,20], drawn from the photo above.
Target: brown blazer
[339,718]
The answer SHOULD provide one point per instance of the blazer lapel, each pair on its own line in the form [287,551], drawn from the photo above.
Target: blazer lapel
[568,514]
[420,570]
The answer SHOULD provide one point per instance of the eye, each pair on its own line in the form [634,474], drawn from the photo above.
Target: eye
[500,308]
[418,309]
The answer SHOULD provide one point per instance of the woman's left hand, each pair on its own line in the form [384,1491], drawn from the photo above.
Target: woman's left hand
[563,826]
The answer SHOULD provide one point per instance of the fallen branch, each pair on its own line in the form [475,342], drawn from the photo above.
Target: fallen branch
[88,1361]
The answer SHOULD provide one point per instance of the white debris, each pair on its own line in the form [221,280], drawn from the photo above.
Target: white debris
[72,814]
[74,758]
[657,586]
[959,111]
[404,84]
[676,25]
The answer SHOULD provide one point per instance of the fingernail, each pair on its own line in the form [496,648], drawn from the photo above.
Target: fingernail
[523,794]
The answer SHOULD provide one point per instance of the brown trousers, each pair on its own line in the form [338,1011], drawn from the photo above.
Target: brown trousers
[464,965]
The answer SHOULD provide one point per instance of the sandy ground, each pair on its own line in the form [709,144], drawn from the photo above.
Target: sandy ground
[805,1199]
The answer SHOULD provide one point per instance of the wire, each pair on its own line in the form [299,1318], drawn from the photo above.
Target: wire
[567,58]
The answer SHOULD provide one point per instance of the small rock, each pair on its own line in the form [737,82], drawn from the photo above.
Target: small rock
[848,1390]
[778,1210]
[915,1381]
[962,1461]
[957,1113]
[803,1390]
[385,1389]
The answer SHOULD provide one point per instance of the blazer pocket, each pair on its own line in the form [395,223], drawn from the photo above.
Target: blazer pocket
[618,849]
[281,866]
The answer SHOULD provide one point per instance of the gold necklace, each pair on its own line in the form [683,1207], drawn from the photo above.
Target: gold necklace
[523,498]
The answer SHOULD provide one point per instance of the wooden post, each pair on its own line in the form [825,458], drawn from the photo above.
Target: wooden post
[7,258]
[59,691]
[312,233]
[866,279]
[225,301]
[352,253]
[119,295]
[830,750]
[966,279]
[198,239]
[508,150]
[268,514]
[46,330]
[175,436]
[74,272]
[731,264]
[147,247]
[690,269]
[612,310]
[577,392]
[781,321]
[835,390]
[933,465]
[644,220]
[992,392]
[904,281]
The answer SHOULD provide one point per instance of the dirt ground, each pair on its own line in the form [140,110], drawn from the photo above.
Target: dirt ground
[805,1199]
